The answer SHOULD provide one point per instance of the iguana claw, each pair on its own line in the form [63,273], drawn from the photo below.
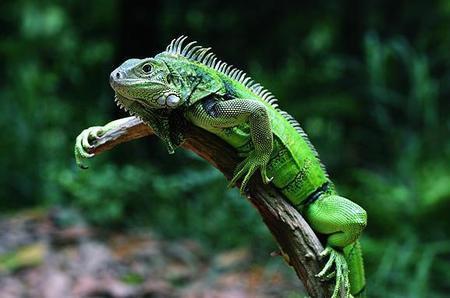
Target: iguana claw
[83,144]
[248,167]
[340,271]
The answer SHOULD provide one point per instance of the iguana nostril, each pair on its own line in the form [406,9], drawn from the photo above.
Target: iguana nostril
[115,75]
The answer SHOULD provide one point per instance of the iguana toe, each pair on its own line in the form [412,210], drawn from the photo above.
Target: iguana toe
[83,144]
[340,271]
[264,177]
[248,167]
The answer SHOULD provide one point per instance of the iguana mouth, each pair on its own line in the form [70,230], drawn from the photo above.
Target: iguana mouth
[132,105]
[127,103]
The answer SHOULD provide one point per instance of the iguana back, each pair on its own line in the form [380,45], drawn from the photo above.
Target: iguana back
[294,164]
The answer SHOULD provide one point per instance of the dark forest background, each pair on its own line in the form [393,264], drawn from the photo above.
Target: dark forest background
[368,80]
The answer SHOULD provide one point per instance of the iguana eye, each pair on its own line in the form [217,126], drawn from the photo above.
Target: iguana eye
[147,68]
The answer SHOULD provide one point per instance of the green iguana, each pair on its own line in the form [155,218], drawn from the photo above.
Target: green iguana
[189,80]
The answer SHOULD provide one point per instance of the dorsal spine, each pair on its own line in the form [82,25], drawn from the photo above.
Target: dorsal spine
[206,57]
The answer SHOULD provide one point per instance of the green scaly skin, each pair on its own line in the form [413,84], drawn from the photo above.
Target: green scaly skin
[190,81]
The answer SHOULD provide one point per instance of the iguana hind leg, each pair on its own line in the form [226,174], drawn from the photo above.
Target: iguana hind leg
[213,115]
[343,221]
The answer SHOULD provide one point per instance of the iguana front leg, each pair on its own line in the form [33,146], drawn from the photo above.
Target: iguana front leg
[84,139]
[213,114]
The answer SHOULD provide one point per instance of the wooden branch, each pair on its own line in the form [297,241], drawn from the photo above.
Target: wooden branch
[299,244]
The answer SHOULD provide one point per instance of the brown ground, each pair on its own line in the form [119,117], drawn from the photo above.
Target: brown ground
[41,256]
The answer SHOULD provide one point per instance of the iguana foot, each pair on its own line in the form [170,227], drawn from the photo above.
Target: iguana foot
[248,167]
[340,271]
[82,144]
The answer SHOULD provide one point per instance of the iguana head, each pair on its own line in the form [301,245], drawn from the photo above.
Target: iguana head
[143,84]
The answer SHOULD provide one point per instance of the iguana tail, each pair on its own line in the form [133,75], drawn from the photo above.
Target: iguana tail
[353,256]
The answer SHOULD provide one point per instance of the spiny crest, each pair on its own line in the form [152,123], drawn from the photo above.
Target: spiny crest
[203,55]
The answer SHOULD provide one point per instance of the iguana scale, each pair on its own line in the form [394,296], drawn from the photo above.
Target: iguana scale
[188,81]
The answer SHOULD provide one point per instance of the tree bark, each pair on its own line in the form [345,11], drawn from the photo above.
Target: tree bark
[299,245]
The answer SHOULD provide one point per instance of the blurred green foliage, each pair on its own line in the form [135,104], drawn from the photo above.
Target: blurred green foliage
[369,81]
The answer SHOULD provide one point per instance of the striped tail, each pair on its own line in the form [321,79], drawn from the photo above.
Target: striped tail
[354,258]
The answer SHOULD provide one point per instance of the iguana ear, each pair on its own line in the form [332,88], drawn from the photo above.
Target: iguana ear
[190,85]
